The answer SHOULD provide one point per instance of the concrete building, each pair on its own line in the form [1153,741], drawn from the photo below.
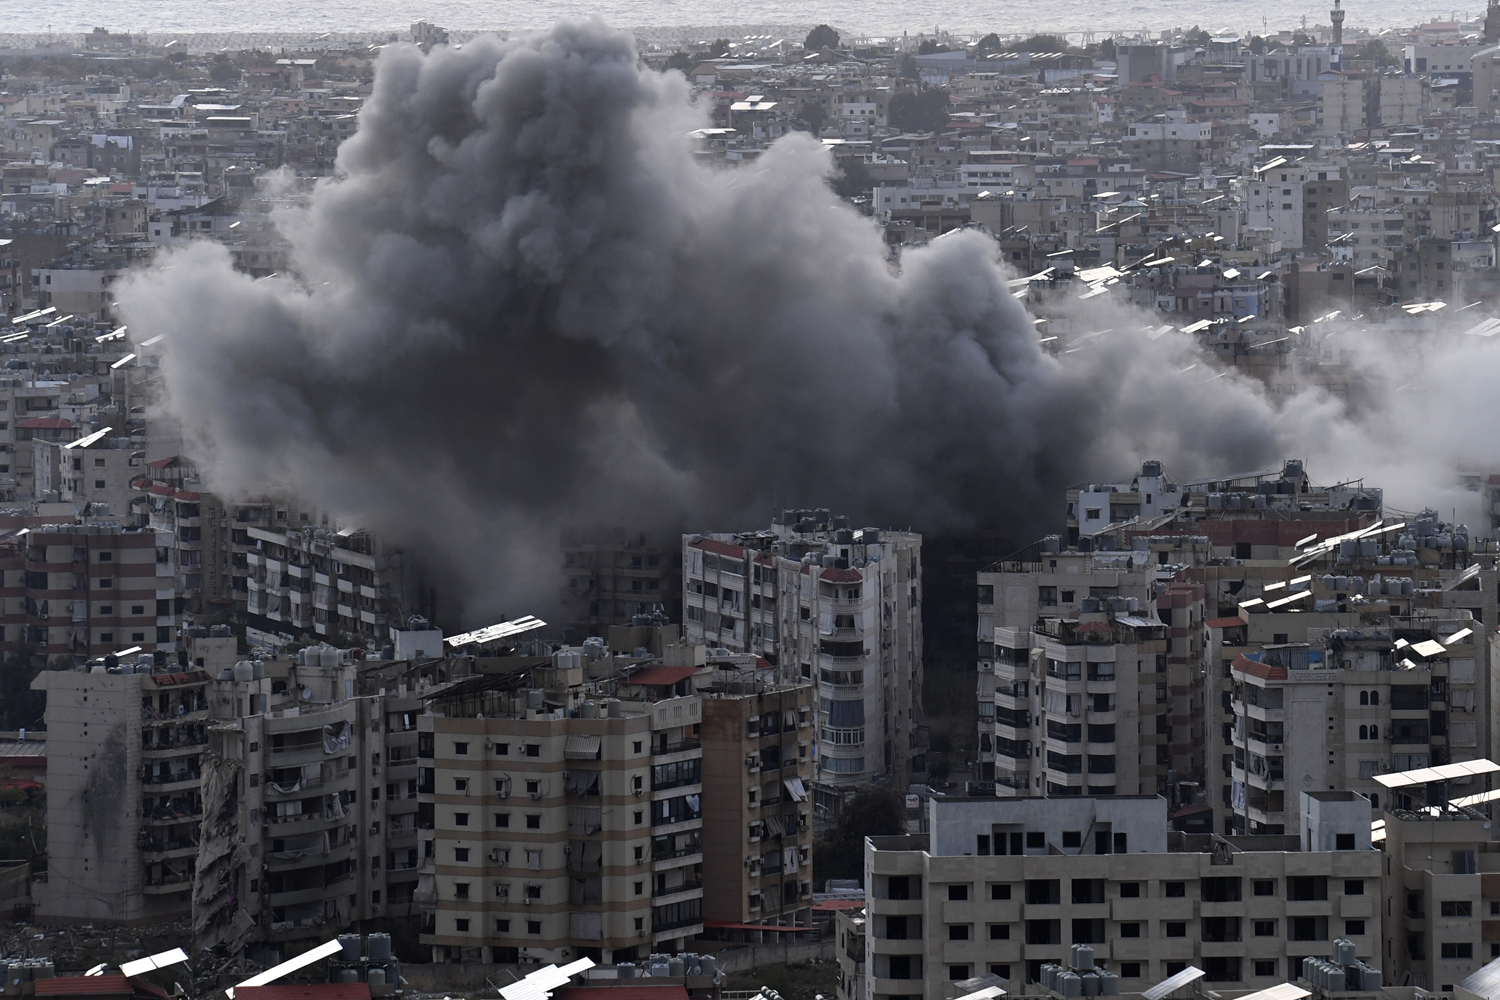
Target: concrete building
[839,607]
[614,576]
[85,590]
[562,811]
[1440,889]
[343,583]
[1004,887]
[758,733]
[124,797]
[1338,712]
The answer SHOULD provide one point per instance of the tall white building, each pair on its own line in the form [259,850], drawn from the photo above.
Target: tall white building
[840,606]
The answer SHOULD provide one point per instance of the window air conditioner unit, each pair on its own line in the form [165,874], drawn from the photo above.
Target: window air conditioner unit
[535,795]
[494,855]
[639,792]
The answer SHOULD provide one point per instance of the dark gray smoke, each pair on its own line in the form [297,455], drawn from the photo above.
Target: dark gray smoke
[523,304]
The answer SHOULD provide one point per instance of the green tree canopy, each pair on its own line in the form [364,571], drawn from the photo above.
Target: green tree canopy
[840,852]
[719,49]
[919,110]
[927,47]
[1043,43]
[821,37]
[989,43]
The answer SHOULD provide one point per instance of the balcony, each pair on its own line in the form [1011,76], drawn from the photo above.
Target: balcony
[661,750]
[673,890]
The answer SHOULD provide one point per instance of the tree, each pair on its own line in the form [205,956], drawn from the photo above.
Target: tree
[820,38]
[919,111]
[813,113]
[1043,43]
[1375,51]
[1197,36]
[682,61]
[719,49]
[907,69]
[1258,45]
[1106,49]
[840,852]
[927,47]
[222,70]
[853,178]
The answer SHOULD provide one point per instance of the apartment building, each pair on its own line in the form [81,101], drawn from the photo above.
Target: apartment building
[563,811]
[93,472]
[1339,712]
[611,577]
[758,736]
[85,590]
[124,797]
[346,584]
[1439,889]
[296,840]
[850,943]
[1079,707]
[1006,886]
[834,605]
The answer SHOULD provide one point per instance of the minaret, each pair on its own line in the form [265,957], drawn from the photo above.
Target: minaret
[1336,53]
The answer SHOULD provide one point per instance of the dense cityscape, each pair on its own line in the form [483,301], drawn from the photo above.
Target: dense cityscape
[293,680]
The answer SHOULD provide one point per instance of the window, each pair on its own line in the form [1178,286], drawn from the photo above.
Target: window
[1265,887]
[1130,930]
[460,854]
[502,749]
[502,820]
[533,749]
[1458,949]
[460,890]
[1354,887]
[106,609]
[1072,838]
[1036,838]
[999,932]
[1353,928]
[533,822]
[640,887]
[460,819]
[1343,841]
[1175,928]
[105,583]
[958,972]
[958,932]
[533,927]
[998,891]
[461,749]
[1130,890]
[958,892]
[461,924]
[1456,908]
[1174,889]
[1265,967]
[137,609]
[502,926]
[1265,928]
[1130,970]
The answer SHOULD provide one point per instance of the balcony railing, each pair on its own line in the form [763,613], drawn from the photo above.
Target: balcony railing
[672,889]
[677,747]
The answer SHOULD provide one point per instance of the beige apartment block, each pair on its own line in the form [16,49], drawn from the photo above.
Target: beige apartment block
[1357,703]
[1442,890]
[838,606]
[565,816]
[1004,886]
[757,815]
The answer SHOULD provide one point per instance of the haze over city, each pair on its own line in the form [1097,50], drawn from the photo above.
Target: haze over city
[723,503]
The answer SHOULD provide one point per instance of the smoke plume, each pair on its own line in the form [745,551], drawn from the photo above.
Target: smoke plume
[522,304]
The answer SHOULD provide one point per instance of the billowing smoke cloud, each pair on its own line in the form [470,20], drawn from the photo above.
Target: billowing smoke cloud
[523,304]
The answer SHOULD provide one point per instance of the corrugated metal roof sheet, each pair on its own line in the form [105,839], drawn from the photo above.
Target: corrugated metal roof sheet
[304,991]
